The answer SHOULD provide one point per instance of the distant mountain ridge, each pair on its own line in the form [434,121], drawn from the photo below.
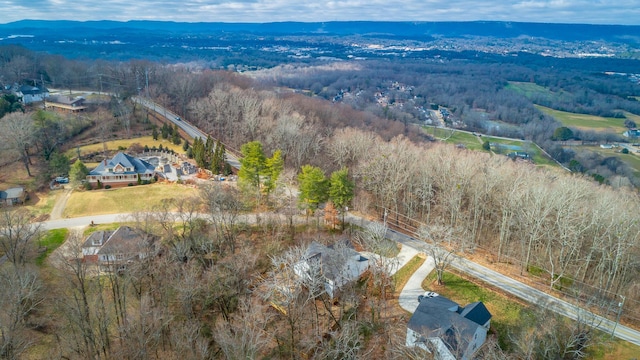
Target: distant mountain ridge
[498,29]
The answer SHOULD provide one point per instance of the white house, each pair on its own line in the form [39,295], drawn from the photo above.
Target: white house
[30,94]
[441,326]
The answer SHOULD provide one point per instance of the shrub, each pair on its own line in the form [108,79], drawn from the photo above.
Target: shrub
[107,186]
[99,185]
[130,184]
[88,186]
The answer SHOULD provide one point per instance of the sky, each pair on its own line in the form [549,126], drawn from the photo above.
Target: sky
[623,12]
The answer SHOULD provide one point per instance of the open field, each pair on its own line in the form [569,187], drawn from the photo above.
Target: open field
[534,91]
[124,200]
[633,160]
[585,122]
[125,143]
[473,142]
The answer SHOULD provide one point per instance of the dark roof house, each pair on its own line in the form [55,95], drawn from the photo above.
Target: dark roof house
[31,94]
[450,331]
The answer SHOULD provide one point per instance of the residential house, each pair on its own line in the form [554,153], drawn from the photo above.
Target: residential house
[442,327]
[336,265]
[13,196]
[113,250]
[121,170]
[632,133]
[65,103]
[30,94]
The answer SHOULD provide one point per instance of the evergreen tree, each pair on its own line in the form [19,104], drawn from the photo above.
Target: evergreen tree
[313,186]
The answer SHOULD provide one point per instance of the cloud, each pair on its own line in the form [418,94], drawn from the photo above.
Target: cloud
[563,11]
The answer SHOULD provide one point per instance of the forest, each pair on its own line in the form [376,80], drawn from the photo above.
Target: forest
[207,293]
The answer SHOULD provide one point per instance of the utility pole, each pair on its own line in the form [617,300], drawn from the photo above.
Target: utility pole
[620,306]
[146,77]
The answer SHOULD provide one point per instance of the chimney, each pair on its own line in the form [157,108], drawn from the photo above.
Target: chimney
[105,162]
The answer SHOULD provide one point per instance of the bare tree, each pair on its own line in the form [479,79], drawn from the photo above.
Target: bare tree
[17,130]
[18,236]
[439,246]
[224,206]
[246,335]
[22,294]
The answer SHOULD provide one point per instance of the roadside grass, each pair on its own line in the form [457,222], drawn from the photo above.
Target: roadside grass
[125,143]
[507,314]
[584,121]
[49,242]
[124,200]
[403,274]
[44,202]
[100,227]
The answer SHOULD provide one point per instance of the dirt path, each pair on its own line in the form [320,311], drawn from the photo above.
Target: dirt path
[61,203]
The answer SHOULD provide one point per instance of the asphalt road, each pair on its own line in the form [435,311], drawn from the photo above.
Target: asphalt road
[516,288]
[188,128]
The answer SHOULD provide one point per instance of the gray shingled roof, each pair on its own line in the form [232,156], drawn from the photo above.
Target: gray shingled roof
[440,317]
[139,166]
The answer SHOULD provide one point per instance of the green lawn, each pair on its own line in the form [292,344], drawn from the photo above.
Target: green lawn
[534,91]
[124,200]
[632,160]
[506,314]
[51,240]
[473,142]
[583,121]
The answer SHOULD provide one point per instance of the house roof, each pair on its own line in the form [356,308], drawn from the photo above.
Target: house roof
[476,312]
[334,258]
[66,100]
[124,240]
[12,193]
[440,317]
[31,90]
[139,166]
[101,235]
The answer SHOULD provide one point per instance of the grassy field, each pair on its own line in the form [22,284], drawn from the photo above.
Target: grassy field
[473,142]
[534,91]
[51,241]
[125,143]
[586,122]
[633,160]
[124,200]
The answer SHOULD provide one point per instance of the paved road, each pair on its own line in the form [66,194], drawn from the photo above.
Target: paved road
[188,128]
[514,287]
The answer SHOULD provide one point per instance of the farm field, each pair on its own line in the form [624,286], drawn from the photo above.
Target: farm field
[473,142]
[632,160]
[533,91]
[124,200]
[585,122]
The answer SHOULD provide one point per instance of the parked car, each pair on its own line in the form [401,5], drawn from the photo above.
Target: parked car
[62,180]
